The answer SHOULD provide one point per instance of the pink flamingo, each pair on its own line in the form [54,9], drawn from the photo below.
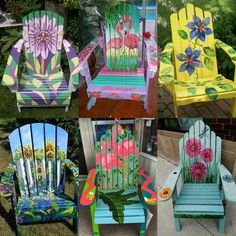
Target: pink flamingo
[130,40]
[124,148]
[116,43]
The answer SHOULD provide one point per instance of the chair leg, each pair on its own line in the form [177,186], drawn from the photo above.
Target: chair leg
[96,231]
[177,224]
[19,108]
[67,108]
[233,108]
[222,225]
[75,224]
[18,229]
[142,229]
[176,110]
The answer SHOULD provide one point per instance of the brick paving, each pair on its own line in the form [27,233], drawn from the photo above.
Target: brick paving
[219,108]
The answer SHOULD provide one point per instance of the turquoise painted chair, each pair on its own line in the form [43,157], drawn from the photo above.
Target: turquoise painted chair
[130,59]
[42,82]
[206,183]
[39,164]
[111,189]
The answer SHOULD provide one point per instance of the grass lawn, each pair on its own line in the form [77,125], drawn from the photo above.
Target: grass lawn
[8,107]
[7,221]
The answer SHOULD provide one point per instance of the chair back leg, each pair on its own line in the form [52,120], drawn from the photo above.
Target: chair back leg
[233,108]
[75,224]
[142,229]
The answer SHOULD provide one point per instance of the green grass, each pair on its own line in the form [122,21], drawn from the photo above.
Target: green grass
[9,108]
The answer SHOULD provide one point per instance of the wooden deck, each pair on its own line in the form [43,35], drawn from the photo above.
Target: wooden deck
[220,108]
[108,108]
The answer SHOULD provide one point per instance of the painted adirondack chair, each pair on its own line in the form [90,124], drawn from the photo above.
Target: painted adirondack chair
[39,163]
[206,183]
[188,65]
[42,82]
[111,189]
[122,76]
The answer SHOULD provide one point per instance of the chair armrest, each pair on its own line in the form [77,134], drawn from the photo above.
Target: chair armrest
[227,49]
[167,190]
[147,189]
[87,51]
[73,65]
[151,54]
[7,184]
[89,191]
[10,73]
[228,184]
[74,169]
[166,72]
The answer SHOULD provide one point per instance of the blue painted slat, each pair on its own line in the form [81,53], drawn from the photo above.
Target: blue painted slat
[201,209]
[127,220]
[200,197]
[127,212]
[195,201]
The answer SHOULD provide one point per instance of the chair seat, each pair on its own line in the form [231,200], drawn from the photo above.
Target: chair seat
[195,88]
[118,85]
[45,208]
[120,206]
[200,201]
[35,89]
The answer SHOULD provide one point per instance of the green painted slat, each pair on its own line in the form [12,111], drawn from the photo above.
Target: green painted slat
[122,81]
[197,208]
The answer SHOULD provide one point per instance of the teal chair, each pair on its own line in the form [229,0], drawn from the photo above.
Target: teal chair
[206,183]
[35,178]
[111,189]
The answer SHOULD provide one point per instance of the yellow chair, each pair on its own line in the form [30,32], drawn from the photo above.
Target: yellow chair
[188,66]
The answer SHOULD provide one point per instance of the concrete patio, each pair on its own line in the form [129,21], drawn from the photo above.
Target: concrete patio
[203,227]
[220,108]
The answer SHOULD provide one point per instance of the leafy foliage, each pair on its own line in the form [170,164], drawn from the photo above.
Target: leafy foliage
[224,25]
[117,201]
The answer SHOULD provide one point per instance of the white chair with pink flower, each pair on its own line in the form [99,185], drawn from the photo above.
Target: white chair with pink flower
[206,184]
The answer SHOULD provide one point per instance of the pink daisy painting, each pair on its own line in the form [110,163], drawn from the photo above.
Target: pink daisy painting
[193,147]
[207,155]
[198,171]
[42,35]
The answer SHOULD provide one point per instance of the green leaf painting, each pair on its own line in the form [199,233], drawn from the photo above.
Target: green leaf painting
[211,93]
[208,63]
[116,202]
[182,34]
[167,70]
[209,52]
[166,57]
[167,78]
[232,51]
[192,90]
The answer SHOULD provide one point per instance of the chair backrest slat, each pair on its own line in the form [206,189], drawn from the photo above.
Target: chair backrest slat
[122,37]
[39,151]
[43,35]
[200,154]
[117,159]
[193,41]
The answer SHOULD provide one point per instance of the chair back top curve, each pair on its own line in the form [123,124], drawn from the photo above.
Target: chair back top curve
[117,159]
[39,151]
[193,43]
[121,36]
[200,154]
[43,36]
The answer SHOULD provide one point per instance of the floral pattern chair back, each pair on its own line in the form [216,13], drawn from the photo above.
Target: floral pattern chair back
[122,37]
[117,159]
[39,151]
[43,35]
[193,44]
[200,155]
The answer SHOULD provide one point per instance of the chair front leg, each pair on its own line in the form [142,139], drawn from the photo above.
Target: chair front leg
[233,108]
[222,225]
[96,231]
